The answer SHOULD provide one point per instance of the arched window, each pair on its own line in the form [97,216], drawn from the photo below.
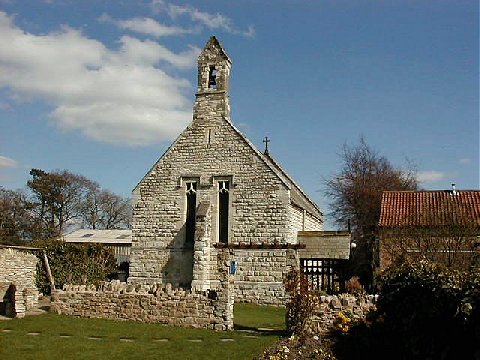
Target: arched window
[223,207]
[212,78]
[191,193]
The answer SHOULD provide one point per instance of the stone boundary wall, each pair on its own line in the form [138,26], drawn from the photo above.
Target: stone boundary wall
[328,307]
[158,303]
[18,292]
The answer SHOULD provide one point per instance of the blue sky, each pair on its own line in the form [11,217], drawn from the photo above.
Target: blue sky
[101,88]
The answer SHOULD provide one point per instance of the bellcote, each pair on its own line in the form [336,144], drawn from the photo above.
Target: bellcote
[213,68]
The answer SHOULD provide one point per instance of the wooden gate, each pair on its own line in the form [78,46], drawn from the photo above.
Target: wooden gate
[323,274]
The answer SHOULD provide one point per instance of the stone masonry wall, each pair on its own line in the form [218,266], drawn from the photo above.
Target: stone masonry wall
[156,303]
[259,277]
[203,264]
[327,309]
[258,200]
[301,221]
[208,151]
[326,245]
[18,268]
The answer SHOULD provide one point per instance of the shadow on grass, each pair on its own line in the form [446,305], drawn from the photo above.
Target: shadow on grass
[260,331]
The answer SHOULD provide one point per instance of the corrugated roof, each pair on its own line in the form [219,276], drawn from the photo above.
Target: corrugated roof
[100,236]
[430,208]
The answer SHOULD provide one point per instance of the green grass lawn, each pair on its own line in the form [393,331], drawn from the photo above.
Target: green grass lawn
[258,316]
[56,337]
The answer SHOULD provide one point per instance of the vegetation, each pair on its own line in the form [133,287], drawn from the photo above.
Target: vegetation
[15,216]
[301,301]
[79,338]
[356,194]
[425,312]
[54,201]
[296,348]
[74,264]
[299,308]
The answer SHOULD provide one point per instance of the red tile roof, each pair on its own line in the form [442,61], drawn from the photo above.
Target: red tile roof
[430,208]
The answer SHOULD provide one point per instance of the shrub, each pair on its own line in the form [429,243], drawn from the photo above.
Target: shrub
[424,312]
[353,286]
[301,301]
[74,264]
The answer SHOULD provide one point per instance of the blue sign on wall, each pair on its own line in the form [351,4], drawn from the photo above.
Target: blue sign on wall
[233,267]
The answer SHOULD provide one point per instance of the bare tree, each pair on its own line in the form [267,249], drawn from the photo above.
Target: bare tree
[356,194]
[106,210]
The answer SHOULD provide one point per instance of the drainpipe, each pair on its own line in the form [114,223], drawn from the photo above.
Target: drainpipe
[303,219]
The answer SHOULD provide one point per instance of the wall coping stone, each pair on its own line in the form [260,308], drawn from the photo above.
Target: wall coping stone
[259,246]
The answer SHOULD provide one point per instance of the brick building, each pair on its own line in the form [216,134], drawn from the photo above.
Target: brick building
[212,187]
[442,225]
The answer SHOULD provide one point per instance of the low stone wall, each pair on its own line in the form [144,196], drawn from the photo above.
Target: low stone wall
[328,307]
[212,309]
[18,292]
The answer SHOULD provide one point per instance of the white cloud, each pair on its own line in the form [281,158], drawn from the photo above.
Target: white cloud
[6,162]
[119,96]
[146,26]
[211,21]
[430,176]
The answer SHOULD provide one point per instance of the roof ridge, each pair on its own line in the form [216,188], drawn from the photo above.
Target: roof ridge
[270,158]
[430,191]
[254,148]
[274,166]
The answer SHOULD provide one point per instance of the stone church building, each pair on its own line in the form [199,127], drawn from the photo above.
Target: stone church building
[213,188]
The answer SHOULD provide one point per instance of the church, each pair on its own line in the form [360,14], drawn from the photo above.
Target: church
[213,188]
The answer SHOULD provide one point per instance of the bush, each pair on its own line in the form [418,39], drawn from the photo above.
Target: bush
[353,286]
[74,264]
[424,312]
[301,301]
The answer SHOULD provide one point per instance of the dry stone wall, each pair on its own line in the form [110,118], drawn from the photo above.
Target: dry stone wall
[18,266]
[157,303]
[18,291]
[327,309]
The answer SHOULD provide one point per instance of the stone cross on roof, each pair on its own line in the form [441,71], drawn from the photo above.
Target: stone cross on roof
[266,141]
